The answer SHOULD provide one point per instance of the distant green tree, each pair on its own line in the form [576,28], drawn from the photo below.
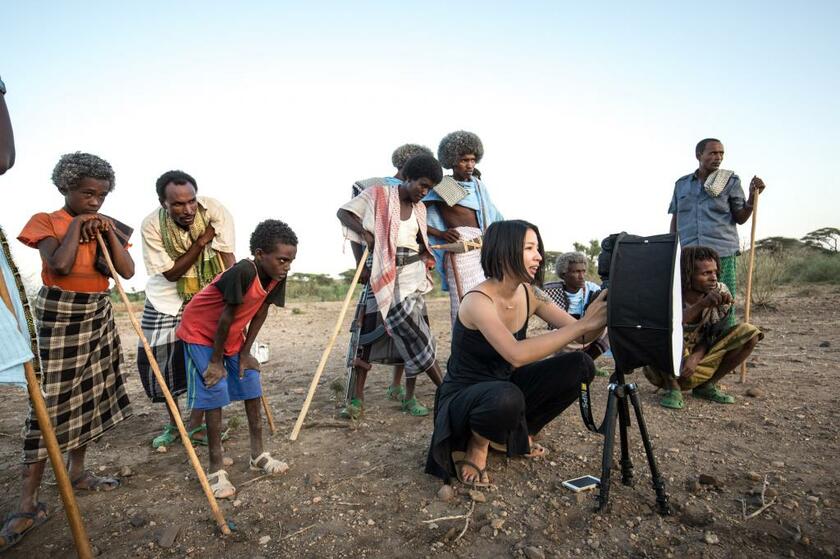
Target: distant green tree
[777,244]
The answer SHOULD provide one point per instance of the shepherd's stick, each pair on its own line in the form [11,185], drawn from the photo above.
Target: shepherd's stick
[173,408]
[748,301]
[314,385]
[268,415]
[65,489]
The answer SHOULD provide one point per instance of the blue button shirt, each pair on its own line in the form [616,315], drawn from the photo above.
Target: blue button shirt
[703,220]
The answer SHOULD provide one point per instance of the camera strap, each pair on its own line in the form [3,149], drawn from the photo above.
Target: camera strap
[585,402]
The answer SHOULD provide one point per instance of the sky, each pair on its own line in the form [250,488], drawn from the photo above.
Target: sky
[588,114]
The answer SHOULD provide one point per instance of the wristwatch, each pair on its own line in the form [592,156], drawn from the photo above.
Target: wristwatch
[2,87]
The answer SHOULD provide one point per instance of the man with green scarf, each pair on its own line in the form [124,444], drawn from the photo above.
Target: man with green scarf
[187,242]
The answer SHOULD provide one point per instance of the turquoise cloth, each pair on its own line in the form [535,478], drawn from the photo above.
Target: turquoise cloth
[14,344]
[477,199]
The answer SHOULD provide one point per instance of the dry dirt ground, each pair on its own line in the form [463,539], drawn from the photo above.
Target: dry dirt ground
[358,490]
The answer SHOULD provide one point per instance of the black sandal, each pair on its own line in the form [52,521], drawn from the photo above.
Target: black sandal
[459,459]
[12,538]
[96,483]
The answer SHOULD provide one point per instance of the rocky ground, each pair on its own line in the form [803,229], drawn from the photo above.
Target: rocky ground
[358,490]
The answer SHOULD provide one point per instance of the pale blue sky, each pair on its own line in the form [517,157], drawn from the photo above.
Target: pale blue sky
[588,115]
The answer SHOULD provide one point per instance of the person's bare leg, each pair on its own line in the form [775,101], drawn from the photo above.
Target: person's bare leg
[214,439]
[410,384]
[31,475]
[396,379]
[731,360]
[82,479]
[435,374]
[254,411]
[361,377]
[477,448]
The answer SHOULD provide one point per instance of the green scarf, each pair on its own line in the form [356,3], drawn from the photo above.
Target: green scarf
[177,241]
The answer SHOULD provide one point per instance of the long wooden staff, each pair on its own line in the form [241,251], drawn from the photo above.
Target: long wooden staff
[65,489]
[314,384]
[170,402]
[268,415]
[748,301]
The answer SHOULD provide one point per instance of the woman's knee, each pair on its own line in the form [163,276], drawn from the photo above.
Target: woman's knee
[509,402]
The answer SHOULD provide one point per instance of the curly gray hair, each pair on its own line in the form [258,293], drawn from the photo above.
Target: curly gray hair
[457,144]
[73,167]
[561,266]
[406,152]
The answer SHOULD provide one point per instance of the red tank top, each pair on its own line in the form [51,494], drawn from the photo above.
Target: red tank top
[202,313]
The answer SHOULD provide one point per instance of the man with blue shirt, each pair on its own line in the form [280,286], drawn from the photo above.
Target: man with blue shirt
[459,210]
[708,205]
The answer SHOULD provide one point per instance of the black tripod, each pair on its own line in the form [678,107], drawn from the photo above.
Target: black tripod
[618,407]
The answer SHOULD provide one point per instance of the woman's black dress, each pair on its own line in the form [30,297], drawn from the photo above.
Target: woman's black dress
[482,392]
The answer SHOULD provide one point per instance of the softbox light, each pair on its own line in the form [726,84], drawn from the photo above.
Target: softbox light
[644,305]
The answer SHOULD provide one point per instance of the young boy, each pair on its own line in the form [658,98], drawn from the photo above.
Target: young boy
[392,222]
[79,346]
[218,327]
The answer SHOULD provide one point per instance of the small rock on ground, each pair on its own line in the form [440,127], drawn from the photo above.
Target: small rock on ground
[532,552]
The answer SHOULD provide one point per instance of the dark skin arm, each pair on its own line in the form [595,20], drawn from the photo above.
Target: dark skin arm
[60,257]
[246,360]
[450,235]
[186,260]
[215,368]
[353,223]
[228,259]
[7,138]
[693,312]
[741,216]
[673,228]
[123,263]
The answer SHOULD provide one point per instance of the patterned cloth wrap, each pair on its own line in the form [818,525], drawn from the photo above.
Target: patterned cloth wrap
[159,330]
[178,241]
[83,386]
[717,181]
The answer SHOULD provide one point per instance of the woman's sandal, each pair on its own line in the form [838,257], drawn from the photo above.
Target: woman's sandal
[459,459]
[268,465]
[222,488]
[89,481]
[10,537]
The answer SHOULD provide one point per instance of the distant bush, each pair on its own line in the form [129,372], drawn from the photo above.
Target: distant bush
[792,266]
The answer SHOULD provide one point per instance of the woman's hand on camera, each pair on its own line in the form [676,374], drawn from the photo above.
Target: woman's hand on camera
[596,314]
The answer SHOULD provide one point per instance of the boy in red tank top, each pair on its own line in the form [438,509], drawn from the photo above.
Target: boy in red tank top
[218,327]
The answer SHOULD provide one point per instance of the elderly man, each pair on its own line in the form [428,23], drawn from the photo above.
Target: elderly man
[711,347]
[708,205]
[459,211]
[187,242]
[573,293]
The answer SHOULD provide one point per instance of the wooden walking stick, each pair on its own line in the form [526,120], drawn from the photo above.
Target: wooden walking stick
[748,301]
[65,489]
[314,385]
[170,402]
[268,415]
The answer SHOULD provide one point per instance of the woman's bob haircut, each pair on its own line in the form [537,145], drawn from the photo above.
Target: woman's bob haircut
[502,249]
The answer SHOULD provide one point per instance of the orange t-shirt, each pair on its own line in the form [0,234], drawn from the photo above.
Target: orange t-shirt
[83,277]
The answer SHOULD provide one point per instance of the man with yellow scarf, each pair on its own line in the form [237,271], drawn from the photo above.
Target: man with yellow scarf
[187,242]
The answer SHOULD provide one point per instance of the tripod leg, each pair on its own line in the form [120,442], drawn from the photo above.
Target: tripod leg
[656,478]
[623,424]
[609,439]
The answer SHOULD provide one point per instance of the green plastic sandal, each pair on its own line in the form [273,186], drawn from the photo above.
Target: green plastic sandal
[169,436]
[712,393]
[672,399]
[396,393]
[353,410]
[414,408]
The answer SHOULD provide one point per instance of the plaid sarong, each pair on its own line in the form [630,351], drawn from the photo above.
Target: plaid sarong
[159,330]
[411,334]
[80,362]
